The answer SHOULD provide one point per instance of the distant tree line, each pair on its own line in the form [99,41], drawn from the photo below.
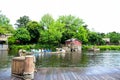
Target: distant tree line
[51,31]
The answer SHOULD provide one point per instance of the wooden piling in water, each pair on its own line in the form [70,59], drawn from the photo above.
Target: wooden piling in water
[29,67]
[23,66]
[18,65]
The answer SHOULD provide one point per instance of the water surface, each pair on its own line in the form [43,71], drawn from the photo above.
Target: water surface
[85,59]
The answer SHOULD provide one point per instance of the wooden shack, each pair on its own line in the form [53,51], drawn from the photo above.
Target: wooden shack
[73,44]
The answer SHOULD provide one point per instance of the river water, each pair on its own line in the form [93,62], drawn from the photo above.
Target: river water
[84,59]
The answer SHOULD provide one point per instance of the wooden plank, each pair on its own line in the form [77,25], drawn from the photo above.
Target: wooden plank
[75,74]
[41,74]
[60,76]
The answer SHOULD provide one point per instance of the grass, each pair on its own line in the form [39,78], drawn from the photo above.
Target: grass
[102,47]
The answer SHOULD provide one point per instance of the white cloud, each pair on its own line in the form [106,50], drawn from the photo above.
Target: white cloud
[102,15]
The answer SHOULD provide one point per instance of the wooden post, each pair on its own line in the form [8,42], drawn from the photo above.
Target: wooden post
[23,67]
[29,67]
[18,65]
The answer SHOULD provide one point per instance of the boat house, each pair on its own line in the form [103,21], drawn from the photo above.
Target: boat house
[4,41]
[74,44]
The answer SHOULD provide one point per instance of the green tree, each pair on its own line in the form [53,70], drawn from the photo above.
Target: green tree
[11,40]
[114,37]
[22,35]
[22,21]
[95,38]
[46,21]
[82,35]
[53,34]
[72,24]
[33,27]
[5,26]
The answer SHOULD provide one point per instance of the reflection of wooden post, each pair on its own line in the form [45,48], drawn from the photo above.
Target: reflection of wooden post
[29,67]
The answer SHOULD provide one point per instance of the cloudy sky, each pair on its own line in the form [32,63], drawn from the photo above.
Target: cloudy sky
[99,15]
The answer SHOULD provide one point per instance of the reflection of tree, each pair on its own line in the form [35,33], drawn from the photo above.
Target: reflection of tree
[76,57]
[84,60]
[4,60]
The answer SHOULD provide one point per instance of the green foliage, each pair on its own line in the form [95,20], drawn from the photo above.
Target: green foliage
[72,24]
[46,21]
[82,35]
[114,37]
[86,47]
[5,26]
[11,40]
[22,21]
[3,20]
[95,38]
[2,30]
[50,31]
[22,35]
[109,47]
[102,47]
[53,33]
[15,48]
[33,28]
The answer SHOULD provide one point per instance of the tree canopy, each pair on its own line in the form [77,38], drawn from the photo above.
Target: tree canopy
[22,21]
[51,31]
[33,28]
[5,26]
[22,35]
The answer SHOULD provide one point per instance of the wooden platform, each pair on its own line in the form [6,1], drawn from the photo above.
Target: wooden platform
[76,73]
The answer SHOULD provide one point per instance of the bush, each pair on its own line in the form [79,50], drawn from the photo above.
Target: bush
[11,40]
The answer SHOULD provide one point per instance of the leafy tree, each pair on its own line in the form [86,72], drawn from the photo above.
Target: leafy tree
[22,35]
[4,20]
[11,40]
[22,21]
[53,34]
[2,30]
[52,30]
[114,37]
[33,28]
[82,35]
[95,38]
[72,24]
[46,21]
[5,26]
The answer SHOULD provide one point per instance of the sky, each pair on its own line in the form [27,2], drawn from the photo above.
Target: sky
[99,15]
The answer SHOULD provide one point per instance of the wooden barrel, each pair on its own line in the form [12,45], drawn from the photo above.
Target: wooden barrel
[29,64]
[18,65]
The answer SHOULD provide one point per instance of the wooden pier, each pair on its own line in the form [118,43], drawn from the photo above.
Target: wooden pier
[76,73]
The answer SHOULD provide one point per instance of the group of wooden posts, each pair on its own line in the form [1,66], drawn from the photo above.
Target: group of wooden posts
[23,67]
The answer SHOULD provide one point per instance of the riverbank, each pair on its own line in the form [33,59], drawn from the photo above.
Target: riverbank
[102,47]
[53,47]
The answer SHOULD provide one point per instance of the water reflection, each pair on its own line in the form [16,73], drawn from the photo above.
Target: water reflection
[107,58]
[59,60]
[3,58]
[86,59]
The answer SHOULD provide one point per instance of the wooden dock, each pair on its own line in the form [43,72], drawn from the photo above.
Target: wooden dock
[76,73]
